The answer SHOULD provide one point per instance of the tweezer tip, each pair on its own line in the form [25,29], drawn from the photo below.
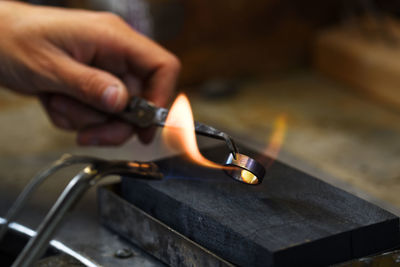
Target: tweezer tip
[232,146]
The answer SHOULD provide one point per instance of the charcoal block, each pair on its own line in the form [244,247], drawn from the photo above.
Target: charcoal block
[291,219]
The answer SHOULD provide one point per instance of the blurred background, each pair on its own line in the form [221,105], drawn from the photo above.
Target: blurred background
[331,68]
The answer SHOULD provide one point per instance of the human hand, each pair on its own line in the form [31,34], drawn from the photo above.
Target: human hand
[83,65]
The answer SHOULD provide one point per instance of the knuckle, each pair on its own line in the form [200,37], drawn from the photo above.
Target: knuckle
[110,17]
[173,63]
[88,85]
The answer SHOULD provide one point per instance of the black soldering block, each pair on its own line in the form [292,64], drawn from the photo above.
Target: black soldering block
[291,219]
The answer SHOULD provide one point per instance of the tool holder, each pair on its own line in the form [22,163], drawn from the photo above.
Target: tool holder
[95,170]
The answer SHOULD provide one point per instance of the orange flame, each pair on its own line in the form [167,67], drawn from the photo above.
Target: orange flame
[180,133]
[180,136]
[277,137]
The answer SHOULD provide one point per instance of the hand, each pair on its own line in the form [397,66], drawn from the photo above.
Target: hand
[83,65]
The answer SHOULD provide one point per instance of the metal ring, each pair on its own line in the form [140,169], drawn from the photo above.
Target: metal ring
[249,171]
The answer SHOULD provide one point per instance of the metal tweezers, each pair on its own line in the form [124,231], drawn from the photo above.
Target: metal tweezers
[144,114]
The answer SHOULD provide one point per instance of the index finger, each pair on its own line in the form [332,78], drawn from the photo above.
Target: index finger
[161,85]
[158,67]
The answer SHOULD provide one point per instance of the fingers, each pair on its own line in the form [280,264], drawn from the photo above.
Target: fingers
[92,86]
[122,63]
[156,67]
[69,114]
[133,84]
[123,52]
[94,128]
[110,133]
[60,121]
[161,86]
[57,119]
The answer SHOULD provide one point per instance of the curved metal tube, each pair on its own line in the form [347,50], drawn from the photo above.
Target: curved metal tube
[85,179]
[35,182]
[37,244]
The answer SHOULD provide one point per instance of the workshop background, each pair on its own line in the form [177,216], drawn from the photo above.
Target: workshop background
[331,68]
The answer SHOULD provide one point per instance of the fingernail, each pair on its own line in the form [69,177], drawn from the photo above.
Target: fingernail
[112,97]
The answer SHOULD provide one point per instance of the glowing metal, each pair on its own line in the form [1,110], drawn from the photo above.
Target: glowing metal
[248,170]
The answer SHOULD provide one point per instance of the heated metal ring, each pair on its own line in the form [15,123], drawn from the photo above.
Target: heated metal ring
[249,171]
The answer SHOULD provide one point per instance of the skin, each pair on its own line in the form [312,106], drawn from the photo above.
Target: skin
[83,66]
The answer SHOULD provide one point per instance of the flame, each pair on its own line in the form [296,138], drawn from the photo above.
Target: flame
[180,133]
[277,137]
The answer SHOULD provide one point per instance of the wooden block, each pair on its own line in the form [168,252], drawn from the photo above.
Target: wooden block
[367,62]
[290,219]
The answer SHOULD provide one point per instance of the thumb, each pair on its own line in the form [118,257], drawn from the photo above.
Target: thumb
[93,86]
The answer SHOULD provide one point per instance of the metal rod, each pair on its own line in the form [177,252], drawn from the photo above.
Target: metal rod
[35,182]
[88,177]
[74,190]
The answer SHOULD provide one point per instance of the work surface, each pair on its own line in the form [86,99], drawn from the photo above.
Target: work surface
[333,134]
[290,219]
